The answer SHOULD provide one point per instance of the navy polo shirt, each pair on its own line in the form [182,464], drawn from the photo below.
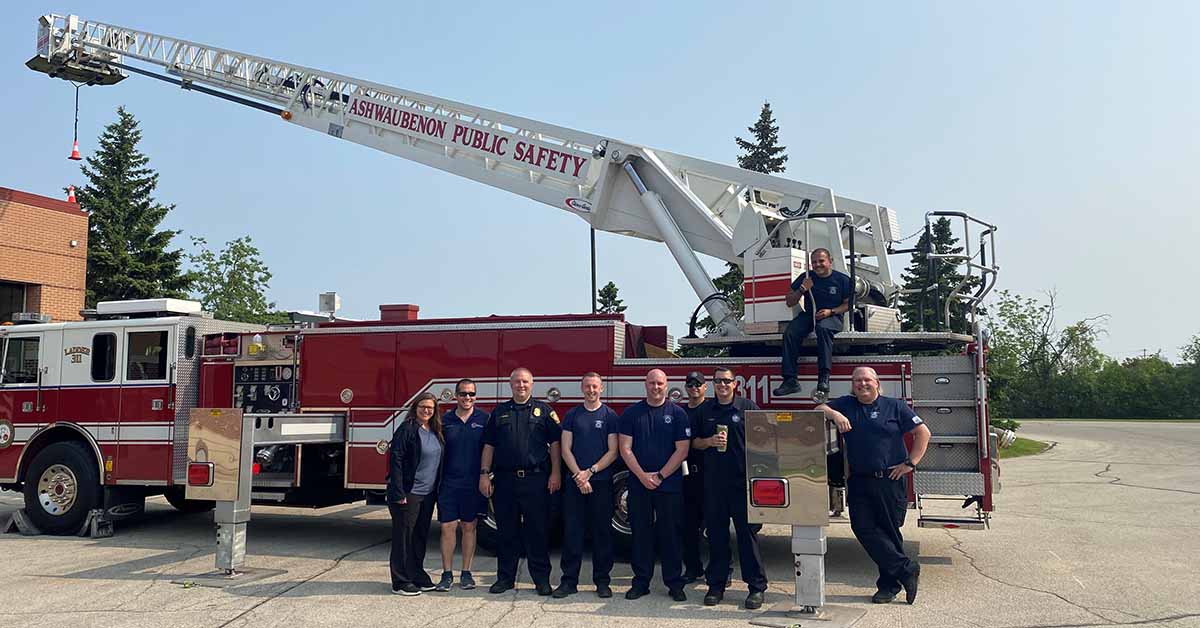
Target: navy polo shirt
[828,292]
[876,440]
[464,446]
[727,466]
[521,434]
[589,435]
[655,430]
[695,457]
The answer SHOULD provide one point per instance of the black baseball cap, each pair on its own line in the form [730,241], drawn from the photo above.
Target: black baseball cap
[695,378]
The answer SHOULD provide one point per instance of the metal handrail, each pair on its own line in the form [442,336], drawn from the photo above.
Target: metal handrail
[987,272]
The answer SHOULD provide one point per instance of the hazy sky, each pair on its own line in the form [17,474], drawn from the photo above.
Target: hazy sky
[1072,125]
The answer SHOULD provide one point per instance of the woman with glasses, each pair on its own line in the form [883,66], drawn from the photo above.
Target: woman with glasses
[414,472]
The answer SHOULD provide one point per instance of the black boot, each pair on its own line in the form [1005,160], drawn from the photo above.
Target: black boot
[789,387]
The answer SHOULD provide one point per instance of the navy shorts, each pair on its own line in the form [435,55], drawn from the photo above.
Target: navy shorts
[460,504]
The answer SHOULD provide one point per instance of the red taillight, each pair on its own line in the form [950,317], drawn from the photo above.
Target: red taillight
[770,493]
[256,469]
[200,474]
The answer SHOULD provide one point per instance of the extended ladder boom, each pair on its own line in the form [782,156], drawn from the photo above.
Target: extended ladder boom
[690,204]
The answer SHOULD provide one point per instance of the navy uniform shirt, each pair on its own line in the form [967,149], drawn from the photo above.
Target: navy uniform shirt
[729,466]
[655,430]
[828,292]
[695,457]
[589,436]
[521,434]
[876,440]
[464,445]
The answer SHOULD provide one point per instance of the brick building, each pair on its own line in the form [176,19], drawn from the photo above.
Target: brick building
[43,256]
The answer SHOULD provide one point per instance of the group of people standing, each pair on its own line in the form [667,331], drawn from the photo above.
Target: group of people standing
[687,471]
[686,466]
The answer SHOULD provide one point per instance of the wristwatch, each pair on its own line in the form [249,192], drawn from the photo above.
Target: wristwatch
[484,471]
[910,463]
[592,469]
[659,476]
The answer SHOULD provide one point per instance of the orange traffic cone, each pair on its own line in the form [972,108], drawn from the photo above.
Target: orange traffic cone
[71,194]
[75,152]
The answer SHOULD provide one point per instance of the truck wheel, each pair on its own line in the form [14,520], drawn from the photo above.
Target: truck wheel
[486,534]
[622,532]
[187,506]
[61,486]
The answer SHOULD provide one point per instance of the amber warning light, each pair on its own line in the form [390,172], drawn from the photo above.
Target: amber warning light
[200,474]
[768,493]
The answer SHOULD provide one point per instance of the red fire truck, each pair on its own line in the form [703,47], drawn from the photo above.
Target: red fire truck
[71,439]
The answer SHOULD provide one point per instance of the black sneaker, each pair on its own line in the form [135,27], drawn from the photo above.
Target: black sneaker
[445,583]
[407,589]
[883,597]
[789,387]
[754,601]
[603,590]
[678,595]
[910,585]
[500,586]
[713,597]
[564,590]
[634,593]
[543,588]
[466,581]
[690,576]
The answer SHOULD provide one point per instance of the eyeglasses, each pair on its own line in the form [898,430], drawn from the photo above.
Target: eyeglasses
[722,380]
[466,394]
[429,408]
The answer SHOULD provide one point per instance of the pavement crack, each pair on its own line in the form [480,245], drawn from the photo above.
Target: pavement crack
[336,562]
[957,546]
[1141,622]
[512,606]
[196,551]
[1116,481]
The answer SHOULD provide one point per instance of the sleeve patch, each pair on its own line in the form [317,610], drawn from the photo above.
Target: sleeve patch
[917,420]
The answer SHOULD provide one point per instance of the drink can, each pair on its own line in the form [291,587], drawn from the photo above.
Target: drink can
[723,429]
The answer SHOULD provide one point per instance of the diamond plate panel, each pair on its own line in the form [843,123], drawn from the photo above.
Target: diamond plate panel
[948,420]
[943,377]
[947,483]
[951,457]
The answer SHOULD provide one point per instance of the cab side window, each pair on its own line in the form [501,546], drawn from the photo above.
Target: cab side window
[104,357]
[20,361]
[147,358]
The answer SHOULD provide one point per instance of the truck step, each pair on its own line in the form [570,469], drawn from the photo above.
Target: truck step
[951,523]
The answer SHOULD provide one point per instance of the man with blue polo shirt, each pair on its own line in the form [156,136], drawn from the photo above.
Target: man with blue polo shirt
[828,297]
[460,503]
[589,447]
[654,443]
[873,428]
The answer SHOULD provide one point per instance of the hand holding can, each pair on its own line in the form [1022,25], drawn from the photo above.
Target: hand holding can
[722,437]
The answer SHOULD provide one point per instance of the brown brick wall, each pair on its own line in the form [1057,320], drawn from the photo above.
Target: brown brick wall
[35,249]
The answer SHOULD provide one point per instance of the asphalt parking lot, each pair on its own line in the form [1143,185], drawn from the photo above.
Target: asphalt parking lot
[1102,530]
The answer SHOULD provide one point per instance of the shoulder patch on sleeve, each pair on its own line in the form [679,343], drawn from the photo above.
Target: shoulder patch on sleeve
[917,420]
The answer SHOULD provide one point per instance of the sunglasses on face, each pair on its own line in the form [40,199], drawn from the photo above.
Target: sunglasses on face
[466,394]
[722,380]
[695,385]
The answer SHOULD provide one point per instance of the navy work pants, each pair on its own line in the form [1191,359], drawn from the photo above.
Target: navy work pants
[587,513]
[654,517]
[410,536]
[522,517]
[877,507]
[726,501]
[693,520]
[794,336]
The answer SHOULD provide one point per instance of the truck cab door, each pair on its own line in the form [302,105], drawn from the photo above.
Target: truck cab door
[29,377]
[147,358]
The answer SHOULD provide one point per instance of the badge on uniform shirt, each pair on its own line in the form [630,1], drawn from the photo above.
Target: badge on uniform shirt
[874,414]
[687,431]
[599,423]
[554,415]
[736,418]
[537,412]
[667,419]
[832,289]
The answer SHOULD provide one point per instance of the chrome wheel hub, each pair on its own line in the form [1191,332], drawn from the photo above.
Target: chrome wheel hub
[57,489]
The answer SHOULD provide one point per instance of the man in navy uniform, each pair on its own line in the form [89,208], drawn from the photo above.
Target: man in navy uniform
[521,439]
[654,443]
[589,447]
[693,482]
[460,503]
[725,490]
[873,428]
[828,297]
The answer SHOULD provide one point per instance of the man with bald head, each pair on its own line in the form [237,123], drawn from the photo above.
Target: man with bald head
[873,428]
[522,439]
[653,441]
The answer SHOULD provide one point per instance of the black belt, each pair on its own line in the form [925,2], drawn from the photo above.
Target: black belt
[520,473]
[879,475]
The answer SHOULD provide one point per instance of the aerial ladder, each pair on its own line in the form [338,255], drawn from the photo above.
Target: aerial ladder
[765,224]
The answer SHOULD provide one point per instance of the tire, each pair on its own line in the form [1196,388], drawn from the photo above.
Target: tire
[622,533]
[61,485]
[187,506]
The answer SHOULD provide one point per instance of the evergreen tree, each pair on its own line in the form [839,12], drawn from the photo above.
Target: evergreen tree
[233,284]
[128,256]
[607,301]
[918,276]
[764,154]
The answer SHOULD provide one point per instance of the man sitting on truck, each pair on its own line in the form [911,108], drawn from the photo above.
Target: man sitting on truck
[828,298]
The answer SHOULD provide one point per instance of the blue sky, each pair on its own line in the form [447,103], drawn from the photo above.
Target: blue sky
[1072,125]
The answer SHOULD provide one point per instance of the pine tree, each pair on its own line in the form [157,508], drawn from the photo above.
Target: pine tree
[917,276]
[128,256]
[764,154]
[607,301]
